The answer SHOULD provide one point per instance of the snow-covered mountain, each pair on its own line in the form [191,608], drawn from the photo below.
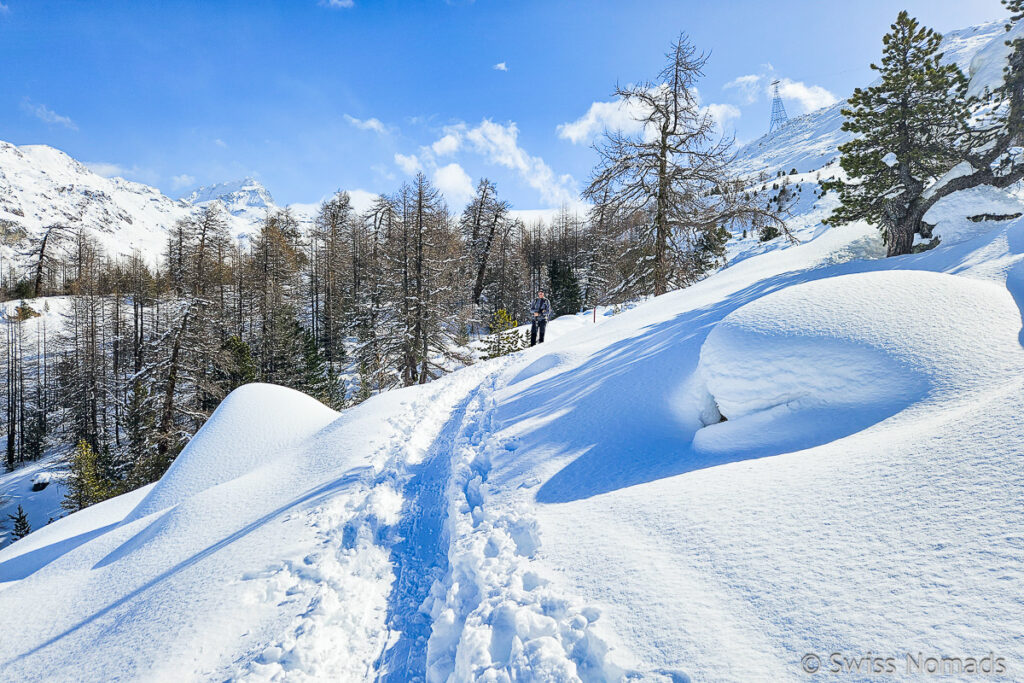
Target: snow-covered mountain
[238,197]
[245,198]
[41,186]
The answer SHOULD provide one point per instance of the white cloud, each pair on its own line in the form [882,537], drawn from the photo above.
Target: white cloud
[104,168]
[499,145]
[449,144]
[752,86]
[338,4]
[616,115]
[810,97]
[749,87]
[410,164]
[46,115]
[4,9]
[500,66]
[454,183]
[220,143]
[183,180]
[110,170]
[368,124]
[723,114]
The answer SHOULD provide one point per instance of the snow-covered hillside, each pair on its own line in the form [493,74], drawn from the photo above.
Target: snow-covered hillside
[41,186]
[580,510]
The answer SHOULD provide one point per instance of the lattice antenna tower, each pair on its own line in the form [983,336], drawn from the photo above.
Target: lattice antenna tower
[779,117]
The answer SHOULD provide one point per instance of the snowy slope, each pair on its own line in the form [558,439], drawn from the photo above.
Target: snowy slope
[578,510]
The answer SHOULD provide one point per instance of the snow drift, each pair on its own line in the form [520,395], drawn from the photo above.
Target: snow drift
[820,360]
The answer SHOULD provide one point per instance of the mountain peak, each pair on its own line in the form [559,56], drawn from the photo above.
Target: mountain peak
[238,196]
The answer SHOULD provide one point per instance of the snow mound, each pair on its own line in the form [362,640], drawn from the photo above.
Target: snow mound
[254,425]
[824,359]
[543,364]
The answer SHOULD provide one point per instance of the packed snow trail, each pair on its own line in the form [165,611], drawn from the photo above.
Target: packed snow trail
[419,555]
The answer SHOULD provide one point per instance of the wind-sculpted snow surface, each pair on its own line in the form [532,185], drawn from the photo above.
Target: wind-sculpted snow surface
[817,361]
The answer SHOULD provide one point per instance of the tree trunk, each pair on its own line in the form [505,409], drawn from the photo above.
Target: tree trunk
[167,413]
[661,221]
[900,234]
[37,288]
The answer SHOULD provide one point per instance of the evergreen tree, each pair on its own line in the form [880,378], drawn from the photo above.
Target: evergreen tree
[21,527]
[240,369]
[504,338]
[87,482]
[908,129]
[565,288]
[993,147]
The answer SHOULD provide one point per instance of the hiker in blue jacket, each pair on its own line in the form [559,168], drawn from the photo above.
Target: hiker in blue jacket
[540,308]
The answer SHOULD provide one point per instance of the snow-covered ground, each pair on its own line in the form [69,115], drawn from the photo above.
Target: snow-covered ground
[580,511]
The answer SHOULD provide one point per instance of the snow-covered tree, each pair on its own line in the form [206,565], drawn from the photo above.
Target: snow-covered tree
[993,147]
[424,255]
[481,223]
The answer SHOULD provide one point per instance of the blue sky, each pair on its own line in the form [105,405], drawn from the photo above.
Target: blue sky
[311,96]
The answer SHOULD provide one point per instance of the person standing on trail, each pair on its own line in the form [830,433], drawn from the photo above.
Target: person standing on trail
[540,308]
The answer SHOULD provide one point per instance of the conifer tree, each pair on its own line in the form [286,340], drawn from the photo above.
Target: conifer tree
[908,129]
[21,526]
[87,482]
[481,223]
[565,288]
[993,147]
[504,338]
